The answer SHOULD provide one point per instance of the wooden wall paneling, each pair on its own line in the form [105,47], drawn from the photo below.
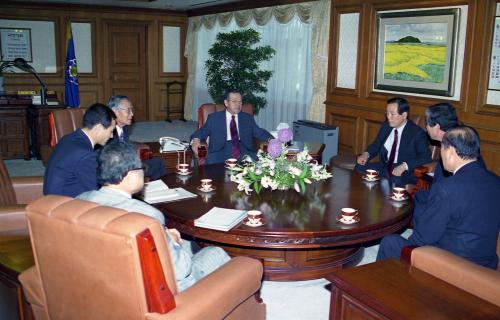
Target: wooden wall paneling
[95,86]
[368,106]
[347,132]
[183,60]
[486,14]
[126,68]
[334,47]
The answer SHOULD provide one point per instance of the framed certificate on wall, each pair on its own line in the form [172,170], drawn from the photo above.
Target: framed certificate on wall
[15,43]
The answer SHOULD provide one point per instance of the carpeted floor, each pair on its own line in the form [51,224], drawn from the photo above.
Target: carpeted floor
[285,300]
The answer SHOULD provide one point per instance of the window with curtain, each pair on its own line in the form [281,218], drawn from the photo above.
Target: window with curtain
[290,88]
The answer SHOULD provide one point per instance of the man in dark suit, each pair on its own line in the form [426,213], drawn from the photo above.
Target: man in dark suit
[440,118]
[124,111]
[72,166]
[400,144]
[231,132]
[461,214]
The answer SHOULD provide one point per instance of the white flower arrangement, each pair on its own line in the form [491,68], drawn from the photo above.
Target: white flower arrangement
[275,171]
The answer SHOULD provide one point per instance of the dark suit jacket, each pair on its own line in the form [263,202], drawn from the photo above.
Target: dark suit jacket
[72,166]
[154,168]
[440,173]
[413,148]
[215,128]
[461,215]
[116,138]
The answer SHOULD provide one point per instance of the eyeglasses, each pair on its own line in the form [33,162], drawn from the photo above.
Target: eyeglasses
[138,168]
[236,101]
[127,110]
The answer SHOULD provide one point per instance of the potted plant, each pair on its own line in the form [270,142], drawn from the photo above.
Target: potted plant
[234,63]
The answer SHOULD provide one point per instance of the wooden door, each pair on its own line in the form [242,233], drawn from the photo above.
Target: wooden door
[126,67]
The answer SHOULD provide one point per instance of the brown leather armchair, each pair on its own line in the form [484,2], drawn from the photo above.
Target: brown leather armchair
[203,111]
[468,276]
[97,262]
[15,193]
[15,249]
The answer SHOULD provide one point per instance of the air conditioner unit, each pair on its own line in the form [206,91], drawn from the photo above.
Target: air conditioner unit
[311,131]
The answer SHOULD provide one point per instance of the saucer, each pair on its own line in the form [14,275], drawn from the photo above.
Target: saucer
[405,197]
[205,190]
[183,173]
[377,178]
[341,219]
[229,168]
[260,223]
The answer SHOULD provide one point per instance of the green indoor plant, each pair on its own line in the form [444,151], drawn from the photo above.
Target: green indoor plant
[234,63]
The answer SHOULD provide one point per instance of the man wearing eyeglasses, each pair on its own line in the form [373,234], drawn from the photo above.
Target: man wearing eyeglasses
[231,132]
[120,172]
[400,144]
[124,111]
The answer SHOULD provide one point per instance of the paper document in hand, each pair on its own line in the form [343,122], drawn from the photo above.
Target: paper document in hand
[158,191]
[220,219]
[155,186]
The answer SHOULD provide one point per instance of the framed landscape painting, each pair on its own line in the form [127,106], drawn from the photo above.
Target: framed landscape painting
[416,51]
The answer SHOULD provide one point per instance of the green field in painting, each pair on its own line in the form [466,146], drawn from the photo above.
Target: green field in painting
[414,62]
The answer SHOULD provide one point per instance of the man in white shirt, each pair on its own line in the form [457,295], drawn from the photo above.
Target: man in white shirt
[231,132]
[400,144]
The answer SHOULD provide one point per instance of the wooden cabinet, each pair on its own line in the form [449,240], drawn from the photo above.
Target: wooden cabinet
[14,132]
[390,289]
[24,128]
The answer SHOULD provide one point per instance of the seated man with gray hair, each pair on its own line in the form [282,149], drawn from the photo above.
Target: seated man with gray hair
[120,172]
[124,112]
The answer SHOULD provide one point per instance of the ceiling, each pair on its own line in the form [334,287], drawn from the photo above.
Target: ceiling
[177,5]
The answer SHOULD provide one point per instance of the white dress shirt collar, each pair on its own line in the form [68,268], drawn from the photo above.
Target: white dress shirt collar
[90,139]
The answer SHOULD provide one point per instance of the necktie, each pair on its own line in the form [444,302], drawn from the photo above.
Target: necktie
[122,136]
[392,155]
[235,149]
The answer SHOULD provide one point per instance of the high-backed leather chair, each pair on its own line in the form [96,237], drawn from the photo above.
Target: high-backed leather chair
[64,121]
[203,111]
[471,277]
[97,262]
[15,193]
[15,249]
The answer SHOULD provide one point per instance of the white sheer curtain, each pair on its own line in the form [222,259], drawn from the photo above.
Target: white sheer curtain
[290,88]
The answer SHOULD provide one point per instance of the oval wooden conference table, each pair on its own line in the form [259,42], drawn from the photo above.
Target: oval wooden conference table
[302,238]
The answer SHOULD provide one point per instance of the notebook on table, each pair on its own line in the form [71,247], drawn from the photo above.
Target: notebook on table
[220,219]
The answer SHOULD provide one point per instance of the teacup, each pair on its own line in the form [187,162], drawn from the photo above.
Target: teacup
[206,184]
[183,167]
[398,192]
[348,214]
[371,174]
[254,216]
[231,162]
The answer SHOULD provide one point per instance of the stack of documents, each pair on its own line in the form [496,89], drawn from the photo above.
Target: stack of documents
[157,191]
[220,219]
